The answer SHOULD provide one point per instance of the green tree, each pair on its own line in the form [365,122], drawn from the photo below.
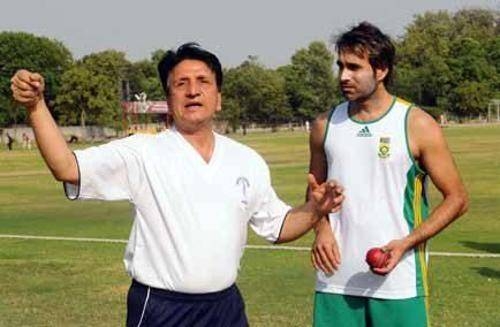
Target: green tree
[470,89]
[98,82]
[23,50]
[109,63]
[87,98]
[493,57]
[470,98]
[143,77]
[253,93]
[422,57]
[309,81]
[476,23]
[91,90]
[450,60]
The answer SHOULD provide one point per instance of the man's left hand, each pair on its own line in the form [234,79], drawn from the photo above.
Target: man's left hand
[396,249]
[326,197]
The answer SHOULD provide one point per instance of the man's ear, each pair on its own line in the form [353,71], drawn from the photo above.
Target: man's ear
[219,102]
[381,73]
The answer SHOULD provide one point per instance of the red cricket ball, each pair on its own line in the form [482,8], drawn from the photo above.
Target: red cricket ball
[377,257]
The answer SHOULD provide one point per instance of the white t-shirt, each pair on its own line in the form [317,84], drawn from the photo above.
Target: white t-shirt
[190,216]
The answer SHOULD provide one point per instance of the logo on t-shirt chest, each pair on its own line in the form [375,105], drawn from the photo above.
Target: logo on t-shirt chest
[243,185]
[384,147]
[364,132]
[383,144]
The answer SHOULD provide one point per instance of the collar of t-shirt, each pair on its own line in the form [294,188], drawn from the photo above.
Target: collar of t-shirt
[207,169]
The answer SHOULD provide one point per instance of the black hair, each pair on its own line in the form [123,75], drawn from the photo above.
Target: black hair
[191,50]
[367,38]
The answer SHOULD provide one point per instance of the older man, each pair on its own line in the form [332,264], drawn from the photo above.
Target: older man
[194,193]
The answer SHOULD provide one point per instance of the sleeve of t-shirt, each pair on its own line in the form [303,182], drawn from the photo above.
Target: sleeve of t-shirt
[106,172]
[268,211]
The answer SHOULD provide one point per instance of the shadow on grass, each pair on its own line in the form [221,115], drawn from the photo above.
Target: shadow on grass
[488,247]
[487,272]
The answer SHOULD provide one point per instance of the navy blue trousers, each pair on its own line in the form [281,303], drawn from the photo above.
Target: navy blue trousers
[148,306]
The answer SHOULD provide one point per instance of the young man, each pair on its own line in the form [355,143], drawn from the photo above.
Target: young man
[194,193]
[381,149]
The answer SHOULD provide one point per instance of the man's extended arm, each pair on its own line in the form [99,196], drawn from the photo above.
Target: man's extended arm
[27,89]
[325,198]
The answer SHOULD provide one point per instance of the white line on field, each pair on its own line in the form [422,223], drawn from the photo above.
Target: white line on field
[61,238]
[258,247]
[437,254]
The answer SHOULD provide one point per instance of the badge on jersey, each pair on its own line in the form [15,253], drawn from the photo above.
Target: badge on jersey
[384,147]
[244,184]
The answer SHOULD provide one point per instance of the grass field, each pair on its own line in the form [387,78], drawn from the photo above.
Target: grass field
[68,283]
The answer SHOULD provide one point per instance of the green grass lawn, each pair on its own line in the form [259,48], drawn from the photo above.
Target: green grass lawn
[63,283]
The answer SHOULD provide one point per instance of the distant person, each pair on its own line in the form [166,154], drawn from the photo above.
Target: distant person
[382,149]
[194,194]
[307,126]
[73,139]
[442,120]
[10,141]
[26,142]
[244,126]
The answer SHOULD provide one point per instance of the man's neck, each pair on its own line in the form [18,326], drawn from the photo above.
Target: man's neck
[372,107]
[202,140]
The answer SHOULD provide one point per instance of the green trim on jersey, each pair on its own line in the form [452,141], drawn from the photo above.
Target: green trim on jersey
[410,154]
[330,115]
[371,121]
[415,212]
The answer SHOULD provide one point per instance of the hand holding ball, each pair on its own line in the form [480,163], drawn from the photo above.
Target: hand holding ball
[377,258]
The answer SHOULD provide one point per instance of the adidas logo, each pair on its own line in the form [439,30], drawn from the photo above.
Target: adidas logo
[364,132]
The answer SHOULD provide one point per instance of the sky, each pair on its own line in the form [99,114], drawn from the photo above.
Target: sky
[272,30]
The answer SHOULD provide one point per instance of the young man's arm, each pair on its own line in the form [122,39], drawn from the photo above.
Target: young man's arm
[325,254]
[323,199]
[430,149]
[27,89]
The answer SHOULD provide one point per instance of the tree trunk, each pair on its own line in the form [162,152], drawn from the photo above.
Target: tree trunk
[82,118]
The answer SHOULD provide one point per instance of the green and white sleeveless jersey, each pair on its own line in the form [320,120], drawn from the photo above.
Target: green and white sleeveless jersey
[385,199]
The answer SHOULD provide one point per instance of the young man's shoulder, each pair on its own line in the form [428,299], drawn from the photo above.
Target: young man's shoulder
[322,119]
[423,128]
[420,119]
[324,116]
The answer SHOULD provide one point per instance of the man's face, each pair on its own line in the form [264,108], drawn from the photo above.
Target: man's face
[358,80]
[193,95]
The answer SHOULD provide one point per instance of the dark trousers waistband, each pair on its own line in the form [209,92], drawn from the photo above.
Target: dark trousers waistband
[153,307]
[188,297]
